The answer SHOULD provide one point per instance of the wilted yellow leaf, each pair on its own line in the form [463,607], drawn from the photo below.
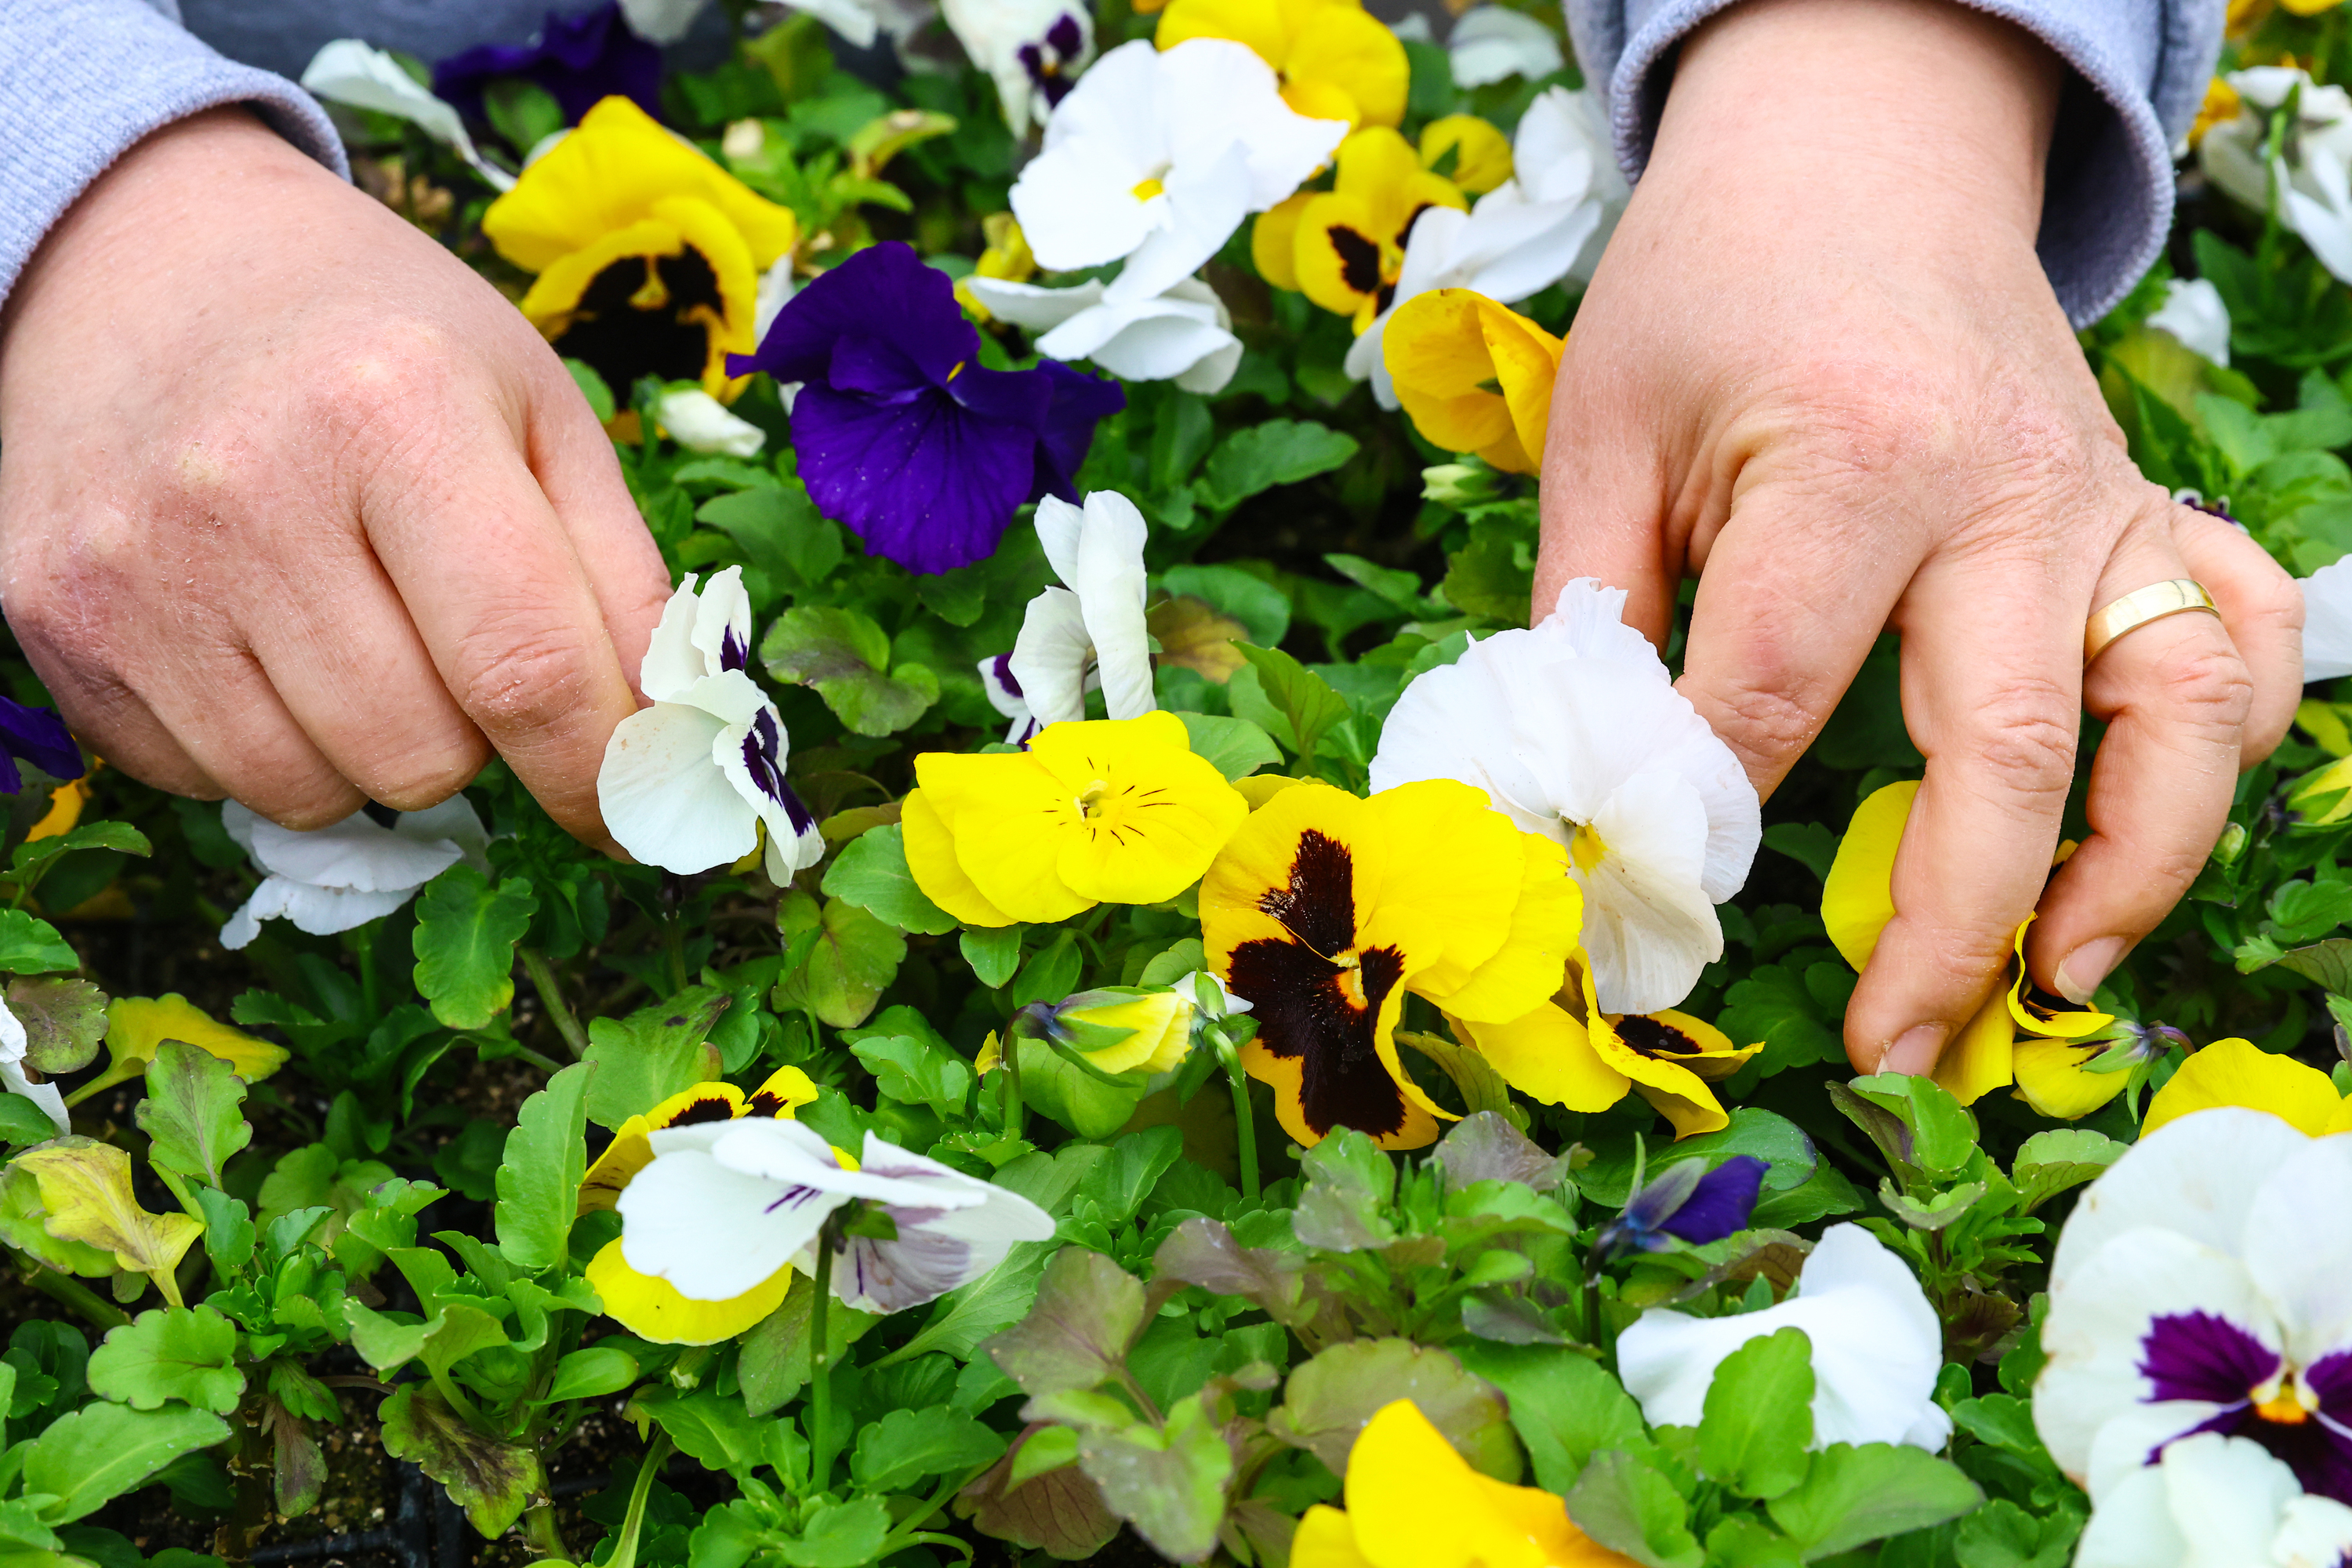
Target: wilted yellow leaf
[86,1189]
[135,1026]
[1195,634]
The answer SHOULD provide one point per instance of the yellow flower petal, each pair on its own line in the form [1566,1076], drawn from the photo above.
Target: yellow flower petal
[1980,1058]
[1858,895]
[1143,815]
[1163,1022]
[2051,1080]
[1273,240]
[1326,1539]
[1264,28]
[1475,377]
[1548,1056]
[66,803]
[1532,961]
[135,1026]
[2239,1072]
[1414,1503]
[1482,155]
[930,857]
[1341,49]
[1672,1089]
[652,1308]
[2038,1013]
[1447,889]
[980,797]
[1338,259]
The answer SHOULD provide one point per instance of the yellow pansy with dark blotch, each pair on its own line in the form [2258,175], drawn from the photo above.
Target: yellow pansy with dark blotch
[1473,376]
[1324,910]
[1348,245]
[1334,59]
[650,1308]
[648,254]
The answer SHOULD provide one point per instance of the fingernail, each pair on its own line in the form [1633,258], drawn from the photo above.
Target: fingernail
[2080,971]
[1915,1050]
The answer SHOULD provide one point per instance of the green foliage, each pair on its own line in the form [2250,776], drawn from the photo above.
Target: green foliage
[466,936]
[538,1178]
[183,1353]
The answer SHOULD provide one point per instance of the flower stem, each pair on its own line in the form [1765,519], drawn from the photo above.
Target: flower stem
[1244,1120]
[821,1370]
[116,1072]
[1012,1105]
[551,996]
[625,1550]
[543,1534]
[371,993]
[73,1293]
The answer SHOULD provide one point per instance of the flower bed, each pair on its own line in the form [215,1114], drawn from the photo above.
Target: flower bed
[1155,1018]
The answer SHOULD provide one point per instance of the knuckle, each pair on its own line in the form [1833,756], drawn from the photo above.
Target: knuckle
[2203,686]
[518,678]
[1762,721]
[318,799]
[2023,738]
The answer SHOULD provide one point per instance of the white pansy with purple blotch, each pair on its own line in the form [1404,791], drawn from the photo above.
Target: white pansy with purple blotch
[724,1204]
[1087,634]
[689,782]
[2215,1502]
[2204,1285]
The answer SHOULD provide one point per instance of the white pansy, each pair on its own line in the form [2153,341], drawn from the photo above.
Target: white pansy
[1004,694]
[2327,621]
[1094,627]
[1030,48]
[1524,236]
[2215,1502]
[13,1047]
[662,21]
[1184,335]
[340,877]
[725,1204]
[1575,730]
[701,423]
[1494,43]
[861,22]
[689,782]
[2314,176]
[1157,156]
[1877,1347]
[2199,1286]
[351,72]
[2193,312]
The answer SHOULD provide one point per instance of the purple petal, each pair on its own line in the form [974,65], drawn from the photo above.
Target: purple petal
[1721,1202]
[923,483]
[579,60]
[39,737]
[1080,403]
[873,369]
[1023,397]
[883,292]
[2204,1357]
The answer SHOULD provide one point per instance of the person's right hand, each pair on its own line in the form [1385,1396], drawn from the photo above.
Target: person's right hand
[295,507]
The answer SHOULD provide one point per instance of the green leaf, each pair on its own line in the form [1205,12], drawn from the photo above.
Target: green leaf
[1759,1417]
[29,945]
[1169,1483]
[1278,452]
[779,531]
[2328,964]
[187,1353]
[1305,700]
[1493,576]
[714,1431]
[540,1173]
[904,1445]
[1062,1091]
[1742,1541]
[993,952]
[1052,971]
[1262,609]
[837,1535]
[1943,1131]
[2002,1535]
[1852,1496]
[591,1373]
[852,959]
[85,1459]
[192,1114]
[1234,747]
[1563,1406]
[1328,1399]
[1087,1312]
[1119,1183]
[1349,1182]
[2049,1162]
[871,872]
[64,1022]
[1630,1506]
[22,1121]
[1809,843]
[774,1363]
[228,1230]
[492,1481]
[592,387]
[655,1052]
[465,941]
[843,655]
[917,1071]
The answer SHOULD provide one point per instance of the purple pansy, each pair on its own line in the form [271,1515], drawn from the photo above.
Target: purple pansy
[37,736]
[579,60]
[1683,1204]
[901,433]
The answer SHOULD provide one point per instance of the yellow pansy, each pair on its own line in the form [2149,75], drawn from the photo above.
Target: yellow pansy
[651,1308]
[1099,811]
[66,804]
[1569,1053]
[1007,256]
[2239,1072]
[1326,909]
[1474,376]
[2021,1035]
[1348,246]
[2309,7]
[1273,240]
[1414,1503]
[648,254]
[1482,154]
[1336,61]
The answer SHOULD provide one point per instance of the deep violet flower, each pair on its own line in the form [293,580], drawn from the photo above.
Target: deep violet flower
[901,435]
[1685,1204]
[36,735]
[579,60]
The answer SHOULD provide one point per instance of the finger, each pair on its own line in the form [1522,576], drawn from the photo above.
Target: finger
[1991,655]
[2175,695]
[109,720]
[222,711]
[2263,607]
[517,636]
[1604,496]
[343,655]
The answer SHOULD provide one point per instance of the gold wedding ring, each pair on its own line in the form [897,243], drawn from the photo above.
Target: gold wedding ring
[2141,605]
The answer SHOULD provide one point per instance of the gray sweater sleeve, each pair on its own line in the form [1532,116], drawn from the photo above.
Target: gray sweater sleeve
[2140,67]
[82,81]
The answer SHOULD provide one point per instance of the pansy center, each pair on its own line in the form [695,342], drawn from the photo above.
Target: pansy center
[2283,1399]
[1586,848]
[1146,189]
[1090,799]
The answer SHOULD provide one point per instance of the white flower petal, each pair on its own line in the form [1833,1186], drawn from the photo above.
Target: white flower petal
[350,71]
[794,1154]
[453,820]
[1205,201]
[711,1231]
[1222,94]
[358,853]
[1111,588]
[1059,523]
[1649,928]
[1493,43]
[2194,313]
[777,287]
[2327,621]
[854,20]
[2225,1495]
[2134,1528]
[2314,1532]
[1049,658]
[1033,307]
[672,663]
[662,21]
[701,423]
[664,800]
[2300,1261]
[2199,1177]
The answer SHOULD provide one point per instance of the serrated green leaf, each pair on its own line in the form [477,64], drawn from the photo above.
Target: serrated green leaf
[1852,1496]
[655,1052]
[1759,1417]
[847,967]
[1305,700]
[1169,1483]
[904,1445]
[915,1072]
[2050,1161]
[1630,1506]
[192,1115]
[465,942]
[30,946]
[1278,452]
[1087,1312]
[1328,1399]
[1563,1406]
[843,656]
[871,873]
[837,1535]
[539,1173]
[85,1459]
[185,1353]
[64,1022]
[492,1481]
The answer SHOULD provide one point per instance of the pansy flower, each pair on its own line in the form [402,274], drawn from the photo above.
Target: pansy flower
[1155,157]
[901,433]
[697,779]
[649,255]
[2198,1287]
[1348,248]
[1336,61]
[1185,335]
[1118,1028]
[2327,621]
[1494,43]
[646,1305]
[340,877]
[1574,730]
[2210,1500]
[578,60]
[35,735]
[1480,154]
[701,423]
[1688,1202]
[1104,811]
[1413,1501]
[1325,910]
[348,71]
[1033,51]
[722,1206]
[1473,376]
[1090,633]
[2240,1073]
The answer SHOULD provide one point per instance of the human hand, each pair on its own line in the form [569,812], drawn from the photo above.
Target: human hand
[1820,366]
[297,508]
